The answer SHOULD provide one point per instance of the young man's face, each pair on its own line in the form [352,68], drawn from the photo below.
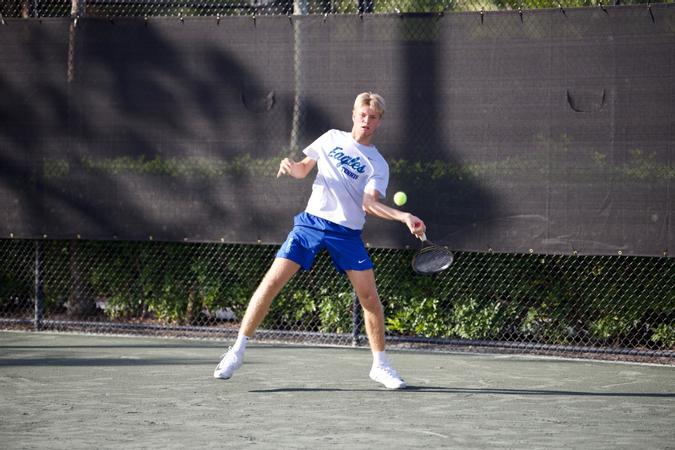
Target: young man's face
[366,120]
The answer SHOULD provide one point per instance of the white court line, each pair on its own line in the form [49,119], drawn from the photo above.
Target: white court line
[431,433]
[619,384]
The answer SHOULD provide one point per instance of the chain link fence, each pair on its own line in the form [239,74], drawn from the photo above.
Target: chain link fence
[519,302]
[187,8]
[564,303]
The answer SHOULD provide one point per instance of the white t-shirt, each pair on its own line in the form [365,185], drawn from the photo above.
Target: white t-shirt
[346,169]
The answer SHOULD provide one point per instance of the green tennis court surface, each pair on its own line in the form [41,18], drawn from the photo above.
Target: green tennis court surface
[78,391]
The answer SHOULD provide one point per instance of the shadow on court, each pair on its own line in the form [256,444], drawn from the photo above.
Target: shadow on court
[447,390]
[80,391]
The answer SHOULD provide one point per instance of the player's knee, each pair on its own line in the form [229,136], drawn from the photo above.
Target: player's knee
[370,301]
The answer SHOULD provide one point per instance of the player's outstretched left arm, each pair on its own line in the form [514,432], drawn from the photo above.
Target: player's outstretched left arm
[373,206]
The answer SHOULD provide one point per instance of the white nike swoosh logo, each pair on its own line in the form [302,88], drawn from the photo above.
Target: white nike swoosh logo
[362,261]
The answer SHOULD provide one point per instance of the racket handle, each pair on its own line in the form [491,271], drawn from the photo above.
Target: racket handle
[423,236]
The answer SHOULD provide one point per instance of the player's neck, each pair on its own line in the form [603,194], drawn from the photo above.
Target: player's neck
[363,140]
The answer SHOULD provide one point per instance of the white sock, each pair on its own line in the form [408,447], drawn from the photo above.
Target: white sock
[240,344]
[380,359]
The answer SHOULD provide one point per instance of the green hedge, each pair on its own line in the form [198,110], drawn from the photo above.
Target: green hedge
[580,300]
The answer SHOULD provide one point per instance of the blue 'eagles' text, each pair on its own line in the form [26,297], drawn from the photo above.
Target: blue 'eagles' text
[346,162]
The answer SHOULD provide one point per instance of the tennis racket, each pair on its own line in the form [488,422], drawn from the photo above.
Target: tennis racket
[431,258]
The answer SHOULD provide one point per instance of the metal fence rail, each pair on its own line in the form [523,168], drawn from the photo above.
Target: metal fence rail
[523,302]
[187,8]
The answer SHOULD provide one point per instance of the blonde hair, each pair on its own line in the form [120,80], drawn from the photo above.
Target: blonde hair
[370,99]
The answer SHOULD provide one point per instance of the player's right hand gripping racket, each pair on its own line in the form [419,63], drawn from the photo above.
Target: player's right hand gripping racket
[431,258]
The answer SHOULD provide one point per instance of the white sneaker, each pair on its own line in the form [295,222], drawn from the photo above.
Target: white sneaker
[226,367]
[387,376]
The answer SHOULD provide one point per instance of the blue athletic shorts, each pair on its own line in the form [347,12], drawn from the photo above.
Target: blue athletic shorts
[311,234]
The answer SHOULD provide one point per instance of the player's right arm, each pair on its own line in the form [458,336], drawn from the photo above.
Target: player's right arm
[296,169]
[373,206]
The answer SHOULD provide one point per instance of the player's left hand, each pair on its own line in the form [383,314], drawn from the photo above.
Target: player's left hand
[285,167]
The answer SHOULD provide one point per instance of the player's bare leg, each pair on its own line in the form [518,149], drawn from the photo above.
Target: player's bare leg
[363,282]
[364,285]
[281,271]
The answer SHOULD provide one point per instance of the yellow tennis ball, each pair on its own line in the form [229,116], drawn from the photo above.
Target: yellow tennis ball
[400,198]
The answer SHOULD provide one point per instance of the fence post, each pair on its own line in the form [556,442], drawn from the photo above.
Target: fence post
[39,285]
[300,8]
[357,317]
[78,8]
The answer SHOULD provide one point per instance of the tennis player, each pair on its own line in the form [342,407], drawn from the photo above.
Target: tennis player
[352,178]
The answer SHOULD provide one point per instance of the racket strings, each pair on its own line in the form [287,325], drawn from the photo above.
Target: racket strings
[432,259]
